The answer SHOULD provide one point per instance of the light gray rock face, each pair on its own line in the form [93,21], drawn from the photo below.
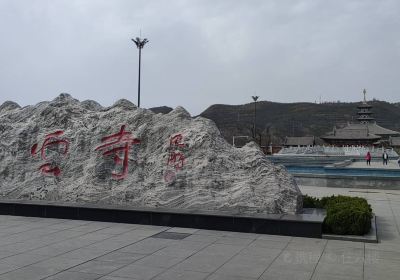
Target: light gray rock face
[197,169]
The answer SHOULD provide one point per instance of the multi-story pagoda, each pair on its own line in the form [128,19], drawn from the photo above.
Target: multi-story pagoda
[364,111]
[366,132]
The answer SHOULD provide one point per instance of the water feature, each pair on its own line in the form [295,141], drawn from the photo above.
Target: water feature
[335,171]
[326,170]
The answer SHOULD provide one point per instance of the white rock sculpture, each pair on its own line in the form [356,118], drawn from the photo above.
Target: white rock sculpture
[199,171]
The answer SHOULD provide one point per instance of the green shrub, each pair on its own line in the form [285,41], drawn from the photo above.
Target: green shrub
[310,202]
[344,214]
[327,201]
[349,217]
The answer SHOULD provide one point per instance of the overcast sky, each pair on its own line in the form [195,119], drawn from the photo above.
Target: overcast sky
[200,52]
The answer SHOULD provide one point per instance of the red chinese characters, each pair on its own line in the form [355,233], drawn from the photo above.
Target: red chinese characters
[117,144]
[52,142]
[176,158]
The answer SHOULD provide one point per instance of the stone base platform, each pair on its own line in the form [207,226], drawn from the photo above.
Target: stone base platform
[307,224]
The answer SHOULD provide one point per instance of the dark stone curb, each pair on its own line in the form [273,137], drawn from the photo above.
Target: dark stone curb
[307,224]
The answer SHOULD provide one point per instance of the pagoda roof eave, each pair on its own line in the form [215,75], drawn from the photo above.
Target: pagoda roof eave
[350,138]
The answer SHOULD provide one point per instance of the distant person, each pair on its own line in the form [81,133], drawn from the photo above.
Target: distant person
[398,161]
[385,158]
[368,158]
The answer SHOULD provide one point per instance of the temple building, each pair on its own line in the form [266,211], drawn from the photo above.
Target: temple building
[304,141]
[394,142]
[366,132]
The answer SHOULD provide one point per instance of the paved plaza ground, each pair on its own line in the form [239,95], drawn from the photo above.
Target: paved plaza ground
[392,164]
[36,248]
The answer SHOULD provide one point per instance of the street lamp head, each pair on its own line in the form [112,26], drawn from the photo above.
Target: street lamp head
[255,98]
[140,43]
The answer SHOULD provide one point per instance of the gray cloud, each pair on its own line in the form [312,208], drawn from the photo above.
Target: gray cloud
[200,52]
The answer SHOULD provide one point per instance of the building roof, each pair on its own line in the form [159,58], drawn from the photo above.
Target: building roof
[364,105]
[352,135]
[360,131]
[373,128]
[352,132]
[299,141]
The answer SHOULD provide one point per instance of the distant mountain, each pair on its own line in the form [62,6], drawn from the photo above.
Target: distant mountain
[161,109]
[277,120]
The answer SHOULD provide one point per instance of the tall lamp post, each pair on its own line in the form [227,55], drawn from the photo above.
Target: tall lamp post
[139,44]
[255,115]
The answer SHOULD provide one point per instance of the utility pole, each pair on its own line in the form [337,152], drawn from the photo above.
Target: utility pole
[255,116]
[139,44]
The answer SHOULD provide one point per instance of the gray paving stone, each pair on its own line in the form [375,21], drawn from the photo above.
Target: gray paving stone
[203,263]
[246,235]
[73,243]
[202,238]
[306,244]
[245,266]
[82,254]
[159,261]
[382,269]
[145,232]
[384,245]
[23,259]
[94,237]
[234,241]
[153,228]
[279,238]
[73,275]
[88,228]
[308,241]
[19,247]
[30,272]
[211,232]
[59,263]
[97,267]
[171,235]
[380,254]
[64,234]
[107,277]
[127,237]
[138,272]
[218,276]
[5,254]
[352,270]
[346,251]
[319,276]
[188,245]
[6,267]
[61,226]
[286,274]
[181,275]
[269,244]
[328,257]
[49,251]
[344,244]
[177,252]
[222,249]
[183,230]
[117,229]
[260,251]
[296,260]
[108,245]
[146,246]
[120,257]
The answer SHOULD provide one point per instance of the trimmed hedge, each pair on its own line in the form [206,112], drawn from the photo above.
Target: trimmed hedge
[344,214]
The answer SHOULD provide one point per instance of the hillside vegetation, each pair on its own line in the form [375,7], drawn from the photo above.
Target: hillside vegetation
[277,120]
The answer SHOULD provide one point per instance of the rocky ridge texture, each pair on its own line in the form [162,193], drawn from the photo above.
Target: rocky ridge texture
[215,176]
